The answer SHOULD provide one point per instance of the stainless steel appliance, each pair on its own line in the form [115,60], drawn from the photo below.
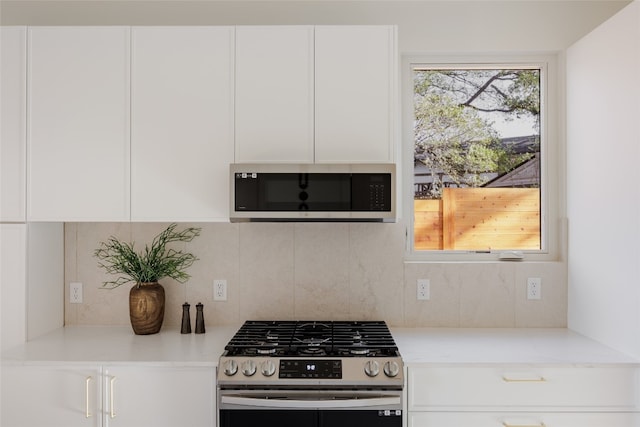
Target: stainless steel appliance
[311,374]
[313,192]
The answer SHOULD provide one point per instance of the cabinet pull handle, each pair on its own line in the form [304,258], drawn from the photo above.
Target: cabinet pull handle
[86,397]
[539,379]
[112,411]
[506,424]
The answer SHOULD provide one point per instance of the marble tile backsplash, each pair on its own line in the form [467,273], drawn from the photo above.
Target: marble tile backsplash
[316,271]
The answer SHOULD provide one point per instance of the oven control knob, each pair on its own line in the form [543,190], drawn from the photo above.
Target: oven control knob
[371,368]
[268,368]
[230,368]
[391,369]
[248,368]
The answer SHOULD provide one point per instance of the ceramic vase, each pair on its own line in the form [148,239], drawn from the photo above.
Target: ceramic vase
[146,308]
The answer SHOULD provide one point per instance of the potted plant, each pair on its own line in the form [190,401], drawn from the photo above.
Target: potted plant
[145,269]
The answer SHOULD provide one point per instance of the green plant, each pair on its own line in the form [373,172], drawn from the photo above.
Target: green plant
[151,264]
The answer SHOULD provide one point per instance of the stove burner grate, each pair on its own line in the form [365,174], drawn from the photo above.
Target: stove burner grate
[313,338]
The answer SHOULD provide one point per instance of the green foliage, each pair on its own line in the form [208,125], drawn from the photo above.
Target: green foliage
[453,134]
[150,265]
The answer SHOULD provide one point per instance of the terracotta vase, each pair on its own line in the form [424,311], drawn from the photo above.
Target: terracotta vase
[146,308]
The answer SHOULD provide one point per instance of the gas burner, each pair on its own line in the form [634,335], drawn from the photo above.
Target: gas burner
[266,351]
[271,337]
[314,328]
[312,351]
[312,341]
[359,351]
[267,343]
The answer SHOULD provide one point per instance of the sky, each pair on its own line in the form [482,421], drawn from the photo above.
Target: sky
[518,127]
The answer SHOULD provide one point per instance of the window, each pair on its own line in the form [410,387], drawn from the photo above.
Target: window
[478,140]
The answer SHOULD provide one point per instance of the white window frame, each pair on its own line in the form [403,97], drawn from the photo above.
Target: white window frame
[552,181]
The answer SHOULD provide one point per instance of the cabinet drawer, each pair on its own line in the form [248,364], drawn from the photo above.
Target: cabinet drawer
[523,387]
[490,419]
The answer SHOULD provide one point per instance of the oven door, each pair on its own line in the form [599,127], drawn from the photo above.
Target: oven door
[297,408]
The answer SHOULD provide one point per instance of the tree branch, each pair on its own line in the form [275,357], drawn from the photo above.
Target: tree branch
[481,90]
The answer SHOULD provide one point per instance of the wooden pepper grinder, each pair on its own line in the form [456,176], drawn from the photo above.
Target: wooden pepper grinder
[186,319]
[199,319]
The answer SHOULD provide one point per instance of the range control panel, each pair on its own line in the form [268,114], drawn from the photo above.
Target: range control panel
[317,369]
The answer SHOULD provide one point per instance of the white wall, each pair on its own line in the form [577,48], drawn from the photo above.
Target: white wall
[603,174]
[31,281]
[45,278]
[13,306]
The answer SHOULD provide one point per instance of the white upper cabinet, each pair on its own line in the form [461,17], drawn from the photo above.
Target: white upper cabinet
[356,90]
[78,137]
[141,123]
[274,94]
[181,123]
[13,69]
[316,94]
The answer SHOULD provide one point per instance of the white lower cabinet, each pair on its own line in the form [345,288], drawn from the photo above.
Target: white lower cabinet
[107,396]
[505,419]
[50,396]
[159,396]
[523,395]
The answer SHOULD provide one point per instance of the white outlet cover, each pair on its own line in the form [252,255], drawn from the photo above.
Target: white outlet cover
[75,293]
[423,289]
[534,288]
[219,290]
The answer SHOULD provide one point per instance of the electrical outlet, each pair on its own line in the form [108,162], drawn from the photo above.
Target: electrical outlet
[219,290]
[75,293]
[424,289]
[534,288]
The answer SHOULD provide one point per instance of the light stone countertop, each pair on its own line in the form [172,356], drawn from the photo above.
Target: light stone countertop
[552,346]
[118,345]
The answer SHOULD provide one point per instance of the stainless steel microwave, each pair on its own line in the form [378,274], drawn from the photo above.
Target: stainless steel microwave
[313,192]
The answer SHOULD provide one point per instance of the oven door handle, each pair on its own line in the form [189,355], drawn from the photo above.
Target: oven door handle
[264,402]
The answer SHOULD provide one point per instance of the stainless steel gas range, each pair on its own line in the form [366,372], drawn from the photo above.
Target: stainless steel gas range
[311,374]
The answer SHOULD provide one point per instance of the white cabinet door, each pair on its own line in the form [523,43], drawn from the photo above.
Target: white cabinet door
[13,92]
[506,419]
[355,99]
[13,279]
[36,396]
[78,137]
[182,123]
[144,396]
[274,94]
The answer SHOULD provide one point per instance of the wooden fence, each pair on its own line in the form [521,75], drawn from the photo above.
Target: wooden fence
[479,219]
